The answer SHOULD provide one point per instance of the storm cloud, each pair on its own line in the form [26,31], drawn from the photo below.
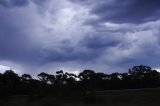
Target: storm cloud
[117,11]
[106,35]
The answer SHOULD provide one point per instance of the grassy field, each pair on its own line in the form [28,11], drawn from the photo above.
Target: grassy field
[141,97]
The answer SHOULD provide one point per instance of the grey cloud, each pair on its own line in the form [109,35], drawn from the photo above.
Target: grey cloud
[20,3]
[14,3]
[67,55]
[100,41]
[40,2]
[110,46]
[118,11]
[15,44]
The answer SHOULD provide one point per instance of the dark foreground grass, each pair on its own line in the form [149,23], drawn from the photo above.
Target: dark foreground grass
[141,97]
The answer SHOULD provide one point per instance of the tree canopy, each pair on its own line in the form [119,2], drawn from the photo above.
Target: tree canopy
[88,80]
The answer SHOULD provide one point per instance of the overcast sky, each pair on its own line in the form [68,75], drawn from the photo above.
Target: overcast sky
[103,35]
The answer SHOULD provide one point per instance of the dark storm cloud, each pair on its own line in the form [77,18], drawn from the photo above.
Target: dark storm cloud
[150,56]
[100,41]
[14,42]
[15,46]
[69,54]
[20,3]
[111,40]
[124,11]
[13,3]
[40,2]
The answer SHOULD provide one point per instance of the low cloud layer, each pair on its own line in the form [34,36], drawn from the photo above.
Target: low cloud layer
[49,35]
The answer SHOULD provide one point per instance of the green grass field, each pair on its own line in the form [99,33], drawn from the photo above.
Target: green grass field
[141,97]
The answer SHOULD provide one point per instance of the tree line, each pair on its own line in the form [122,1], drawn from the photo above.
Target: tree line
[88,80]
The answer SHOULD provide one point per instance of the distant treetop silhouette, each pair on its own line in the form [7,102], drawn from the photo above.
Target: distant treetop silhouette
[88,80]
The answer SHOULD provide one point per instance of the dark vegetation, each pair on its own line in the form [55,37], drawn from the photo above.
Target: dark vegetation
[84,87]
